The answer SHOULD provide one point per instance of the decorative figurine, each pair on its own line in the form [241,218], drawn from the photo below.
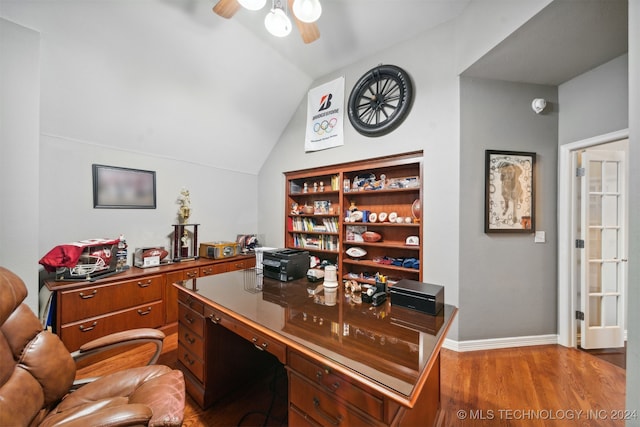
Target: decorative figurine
[305,188]
[321,186]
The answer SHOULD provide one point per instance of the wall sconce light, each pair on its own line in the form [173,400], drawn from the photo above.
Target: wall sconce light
[538,105]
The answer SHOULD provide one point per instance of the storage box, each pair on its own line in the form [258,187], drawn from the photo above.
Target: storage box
[218,250]
[419,296]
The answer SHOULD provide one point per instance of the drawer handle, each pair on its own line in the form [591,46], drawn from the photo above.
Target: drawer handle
[144,284]
[333,420]
[91,295]
[192,274]
[188,360]
[189,319]
[84,329]
[208,270]
[334,386]
[214,319]
[189,339]
[144,313]
[264,346]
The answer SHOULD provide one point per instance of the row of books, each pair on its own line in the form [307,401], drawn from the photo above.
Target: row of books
[322,242]
[329,225]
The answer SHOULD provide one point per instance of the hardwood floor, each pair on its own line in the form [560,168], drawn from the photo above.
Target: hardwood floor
[546,385]
[617,356]
[527,386]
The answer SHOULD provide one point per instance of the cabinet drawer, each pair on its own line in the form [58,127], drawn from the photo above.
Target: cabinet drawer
[191,341]
[300,419]
[191,273]
[321,407]
[143,316]
[191,302]
[242,264]
[337,384]
[260,341]
[93,301]
[213,269]
[191,319]
[191,361]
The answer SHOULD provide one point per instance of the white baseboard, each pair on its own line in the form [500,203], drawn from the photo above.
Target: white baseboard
[496,343]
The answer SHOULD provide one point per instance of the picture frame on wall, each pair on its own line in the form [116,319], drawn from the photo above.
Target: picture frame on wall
[116,187]
[509,192]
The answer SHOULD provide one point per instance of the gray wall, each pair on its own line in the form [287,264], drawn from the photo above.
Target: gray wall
[594,103]
[507,282]
[633,331]
[19,152]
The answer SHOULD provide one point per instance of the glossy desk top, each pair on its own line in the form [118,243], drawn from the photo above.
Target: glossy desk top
[389,346]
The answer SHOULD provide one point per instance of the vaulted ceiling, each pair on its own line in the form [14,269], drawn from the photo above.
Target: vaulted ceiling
[173,79]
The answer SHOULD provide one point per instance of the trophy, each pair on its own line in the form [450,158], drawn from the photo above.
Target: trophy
[181,250]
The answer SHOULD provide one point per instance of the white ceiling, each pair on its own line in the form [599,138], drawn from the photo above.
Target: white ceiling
[171,77]
[353,29]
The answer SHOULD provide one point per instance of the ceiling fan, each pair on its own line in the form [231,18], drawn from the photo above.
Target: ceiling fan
[308,30]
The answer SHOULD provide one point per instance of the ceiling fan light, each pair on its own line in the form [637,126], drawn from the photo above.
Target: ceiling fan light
[252,4]
[307,10]
[277,23]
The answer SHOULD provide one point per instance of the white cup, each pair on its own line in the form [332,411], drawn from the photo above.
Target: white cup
[330,295]
[330,274]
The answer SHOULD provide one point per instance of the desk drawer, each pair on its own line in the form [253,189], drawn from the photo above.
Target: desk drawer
[191,362]
[321,407]
[191,273]
[336,384]
[191,302]
[143,316]
[259,340]
[91,301]
[191,319]
[242,264]
[190,340]
[213,269]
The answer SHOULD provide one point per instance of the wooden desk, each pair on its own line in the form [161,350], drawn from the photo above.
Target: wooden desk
[348,364]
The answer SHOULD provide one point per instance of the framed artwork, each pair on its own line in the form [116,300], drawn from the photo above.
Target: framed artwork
[509,192]
[115,187]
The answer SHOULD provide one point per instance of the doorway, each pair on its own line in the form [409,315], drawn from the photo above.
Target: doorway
[571,268]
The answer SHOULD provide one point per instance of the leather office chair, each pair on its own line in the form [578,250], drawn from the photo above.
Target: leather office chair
[37,376]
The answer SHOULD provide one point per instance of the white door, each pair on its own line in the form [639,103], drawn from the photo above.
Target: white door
[603,268]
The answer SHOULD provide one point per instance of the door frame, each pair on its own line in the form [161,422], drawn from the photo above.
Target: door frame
[567,302]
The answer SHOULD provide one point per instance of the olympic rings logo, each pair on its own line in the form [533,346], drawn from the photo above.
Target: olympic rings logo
[325,126]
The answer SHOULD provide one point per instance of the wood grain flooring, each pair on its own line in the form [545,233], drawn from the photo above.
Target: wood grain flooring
[534,386]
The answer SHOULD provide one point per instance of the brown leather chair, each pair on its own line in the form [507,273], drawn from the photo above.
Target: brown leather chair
[37,376]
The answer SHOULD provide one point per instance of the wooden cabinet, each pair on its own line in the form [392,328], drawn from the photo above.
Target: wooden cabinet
[381,195]
[132,299]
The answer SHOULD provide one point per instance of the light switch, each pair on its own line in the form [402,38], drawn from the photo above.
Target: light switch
[540,237]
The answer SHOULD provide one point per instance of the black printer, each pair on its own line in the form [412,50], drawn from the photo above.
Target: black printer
[285,264]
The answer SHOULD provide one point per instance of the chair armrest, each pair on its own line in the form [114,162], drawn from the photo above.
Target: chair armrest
[118,339]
